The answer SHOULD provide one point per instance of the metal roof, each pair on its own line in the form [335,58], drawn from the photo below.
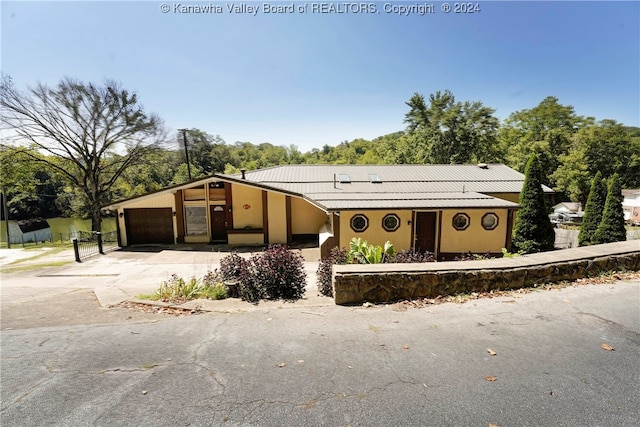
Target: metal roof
[387,173]
[410,186]
[399,186]
[410,201]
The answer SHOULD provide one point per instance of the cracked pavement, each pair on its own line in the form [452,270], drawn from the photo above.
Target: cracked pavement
[337,366]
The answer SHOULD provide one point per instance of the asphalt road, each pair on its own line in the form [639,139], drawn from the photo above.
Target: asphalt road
[329,365]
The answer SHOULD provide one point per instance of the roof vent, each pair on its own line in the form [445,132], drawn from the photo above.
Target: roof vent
[483,166]
[243,171]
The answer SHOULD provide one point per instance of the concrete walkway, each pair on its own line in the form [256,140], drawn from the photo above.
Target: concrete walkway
[125,274]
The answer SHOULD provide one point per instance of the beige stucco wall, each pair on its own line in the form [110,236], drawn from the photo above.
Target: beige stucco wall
[375,234]
[277,217]
[306,218]
[246,239]
[251,217]
[475,238]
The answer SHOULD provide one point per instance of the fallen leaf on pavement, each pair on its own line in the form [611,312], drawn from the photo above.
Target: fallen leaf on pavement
[282,365]
[607,347]
[406,347]
[144,392]
[490,378]
[491,352]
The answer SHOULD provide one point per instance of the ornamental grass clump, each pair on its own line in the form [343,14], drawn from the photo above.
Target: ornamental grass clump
[176,289]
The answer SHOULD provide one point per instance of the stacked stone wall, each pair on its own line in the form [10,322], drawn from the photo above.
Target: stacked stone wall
[370,283]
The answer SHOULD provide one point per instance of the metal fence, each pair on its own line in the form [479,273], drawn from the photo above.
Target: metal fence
[87,244]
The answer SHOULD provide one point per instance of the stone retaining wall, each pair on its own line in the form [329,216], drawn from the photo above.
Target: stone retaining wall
[380,283]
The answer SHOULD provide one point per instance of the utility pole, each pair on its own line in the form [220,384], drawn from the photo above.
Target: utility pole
[5,213]
[186,151]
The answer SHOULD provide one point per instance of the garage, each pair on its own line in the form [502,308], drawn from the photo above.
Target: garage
[149,225]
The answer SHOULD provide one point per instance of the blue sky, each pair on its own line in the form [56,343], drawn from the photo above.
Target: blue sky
[311,79]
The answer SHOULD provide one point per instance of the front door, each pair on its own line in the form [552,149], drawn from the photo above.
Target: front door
[426,232]
[218,224]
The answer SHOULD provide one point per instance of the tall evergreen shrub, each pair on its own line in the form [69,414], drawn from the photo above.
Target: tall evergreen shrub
[593,210]
[533,231]
[611,228]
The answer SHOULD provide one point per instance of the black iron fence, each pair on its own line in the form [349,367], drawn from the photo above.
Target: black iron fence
[87,244]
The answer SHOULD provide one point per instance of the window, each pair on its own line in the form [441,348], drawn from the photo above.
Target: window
[391,222]
[359,223]
[489,221]
[196,220]
[461,221]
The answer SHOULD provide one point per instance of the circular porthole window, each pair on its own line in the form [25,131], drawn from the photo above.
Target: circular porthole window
[359,223]
[461,221]
[391,222]
[489,221]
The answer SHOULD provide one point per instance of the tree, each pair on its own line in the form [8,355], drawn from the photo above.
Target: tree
[545,130]
[447,131]
[611,228]
[592,210]
[89,133]
[533,231]
[606,147]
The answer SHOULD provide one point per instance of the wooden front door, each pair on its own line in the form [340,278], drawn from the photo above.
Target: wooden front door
[426,232]
[218,224]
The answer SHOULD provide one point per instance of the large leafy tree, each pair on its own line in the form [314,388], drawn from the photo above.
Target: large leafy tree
[32,191]
[607,147]
[533,231]
[449,131]
[545,130]
[207,153]
[593,210]
[611,227]
[88,133]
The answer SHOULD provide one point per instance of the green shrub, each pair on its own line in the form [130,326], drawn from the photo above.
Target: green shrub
[533,231]
[215,292]
[593,210]
[611,228]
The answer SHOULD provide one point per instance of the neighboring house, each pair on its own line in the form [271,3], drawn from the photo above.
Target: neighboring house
[26,231]
[567,213]
[631,206]
[445,209]
[567,207]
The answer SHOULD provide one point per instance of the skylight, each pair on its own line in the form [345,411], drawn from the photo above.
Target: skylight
[374,178]
[344,178]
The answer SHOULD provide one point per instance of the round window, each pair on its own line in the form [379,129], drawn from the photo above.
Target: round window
[391,222]
[461,221]
[489,221]
[359,223]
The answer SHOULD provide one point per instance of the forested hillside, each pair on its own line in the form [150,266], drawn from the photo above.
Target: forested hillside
[436,129]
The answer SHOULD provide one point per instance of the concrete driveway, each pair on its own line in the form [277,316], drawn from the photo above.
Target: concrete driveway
[122,275]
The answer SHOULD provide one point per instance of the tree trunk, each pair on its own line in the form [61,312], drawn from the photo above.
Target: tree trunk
[96,216]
